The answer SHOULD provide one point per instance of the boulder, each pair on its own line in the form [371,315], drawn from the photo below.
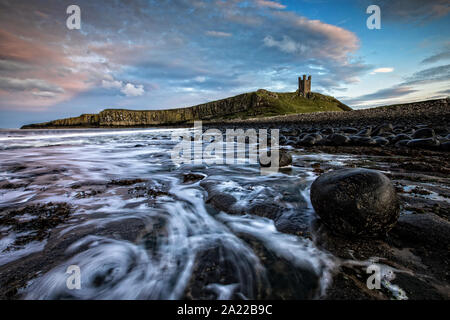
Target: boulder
[424,133]
[284,160]
[380,141]
[222,201]
[365,132]
[263,209]
[356,202]
[445,146]
[362,140]
[327,130]
[309,140]
[337,139]
[316,136]
[423,143]
[386,127]
[402,143]
[401,136]
[350,130]
[192,177]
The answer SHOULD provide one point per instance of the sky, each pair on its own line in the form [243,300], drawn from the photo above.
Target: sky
[151,54]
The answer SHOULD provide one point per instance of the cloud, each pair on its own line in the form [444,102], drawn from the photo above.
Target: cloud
[43,94]
[131,90]
[382,70]
[311,39]
[157,51]
[112,84]
[128,89]
[383,94]
[270,4]
[444,55]
[430,75]
[24,49]
[10,65]
[286,44]
[412,11]
[410,85]
[13,84]
[444,92]
[200,79]
[218,34]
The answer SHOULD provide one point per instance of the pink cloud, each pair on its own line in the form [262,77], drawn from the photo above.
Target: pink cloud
[270,4]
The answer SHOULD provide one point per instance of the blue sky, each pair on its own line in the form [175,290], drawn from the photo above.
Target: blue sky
[144,54]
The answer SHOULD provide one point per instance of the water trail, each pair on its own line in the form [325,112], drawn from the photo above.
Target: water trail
[74,164]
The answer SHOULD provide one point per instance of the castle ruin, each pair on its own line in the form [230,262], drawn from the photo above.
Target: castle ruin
[304,86]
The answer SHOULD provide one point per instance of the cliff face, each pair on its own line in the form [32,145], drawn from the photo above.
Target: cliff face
[254,104]
[207,111]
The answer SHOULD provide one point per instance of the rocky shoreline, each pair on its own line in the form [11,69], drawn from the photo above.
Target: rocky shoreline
[410,148]
[430,112]
[410,144]
[416,250]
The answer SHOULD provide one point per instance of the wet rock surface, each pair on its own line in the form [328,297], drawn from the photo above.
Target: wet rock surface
[33,222]
[234,233]
[356,202]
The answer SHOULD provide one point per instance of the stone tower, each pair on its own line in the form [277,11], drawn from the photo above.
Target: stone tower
[304,86]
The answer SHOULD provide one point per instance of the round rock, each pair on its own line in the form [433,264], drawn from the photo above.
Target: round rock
[337,139]
[284,160]
[424,133]
[356,202]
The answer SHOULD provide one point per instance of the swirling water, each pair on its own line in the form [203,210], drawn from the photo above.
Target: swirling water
[131,242]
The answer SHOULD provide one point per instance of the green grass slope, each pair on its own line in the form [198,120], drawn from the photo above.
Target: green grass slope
[261,103]
[275,103]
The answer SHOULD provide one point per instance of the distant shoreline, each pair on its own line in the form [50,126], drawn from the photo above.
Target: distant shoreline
[436,112]
[261,103]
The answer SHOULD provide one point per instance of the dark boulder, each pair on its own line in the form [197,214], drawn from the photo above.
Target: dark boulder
[424,133]
[284,160]
[222,201]
[292,141]
[365,132]
[427,229]
[337,139]
[263,209]
[350,130]
[192,177]
[309,140]
[327,130]
[387,127]
[423,143]
[361,141]
[316,136]
[401,136]
[356,202]
[380,141]
[402,143]
[292,133]
[445,146]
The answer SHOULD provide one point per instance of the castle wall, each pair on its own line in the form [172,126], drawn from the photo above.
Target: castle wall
[304,85]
